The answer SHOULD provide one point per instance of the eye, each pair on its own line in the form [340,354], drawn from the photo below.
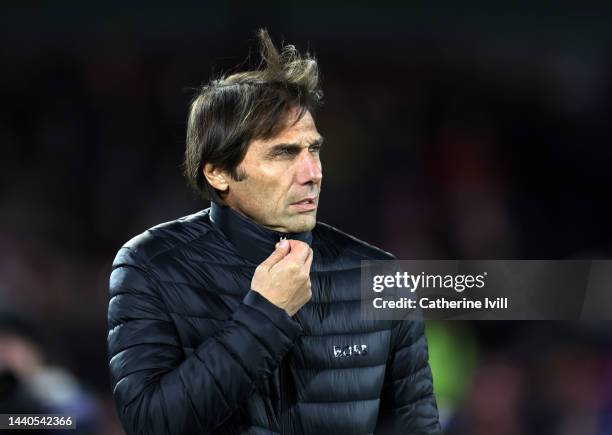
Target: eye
[315,148]
[285,152]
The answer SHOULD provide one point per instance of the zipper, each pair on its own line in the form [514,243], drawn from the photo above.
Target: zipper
[285,421]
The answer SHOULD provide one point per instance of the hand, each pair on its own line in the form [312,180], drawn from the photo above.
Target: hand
[284,277]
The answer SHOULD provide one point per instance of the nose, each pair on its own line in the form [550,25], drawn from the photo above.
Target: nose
[309,169]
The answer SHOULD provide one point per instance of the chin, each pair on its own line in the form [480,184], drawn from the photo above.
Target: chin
[301,224]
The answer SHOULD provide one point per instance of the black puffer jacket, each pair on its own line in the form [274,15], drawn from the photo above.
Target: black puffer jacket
[193,350]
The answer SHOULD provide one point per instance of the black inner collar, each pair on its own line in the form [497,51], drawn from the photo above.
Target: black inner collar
[252,241]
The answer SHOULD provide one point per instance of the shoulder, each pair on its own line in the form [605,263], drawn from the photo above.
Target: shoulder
[166,237]
[329,238]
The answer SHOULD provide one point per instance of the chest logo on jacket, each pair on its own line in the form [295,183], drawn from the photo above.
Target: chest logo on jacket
[350,350]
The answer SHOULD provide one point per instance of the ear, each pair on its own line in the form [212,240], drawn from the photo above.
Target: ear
[215,177]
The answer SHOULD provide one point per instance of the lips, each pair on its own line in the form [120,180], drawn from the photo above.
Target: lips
[306,204]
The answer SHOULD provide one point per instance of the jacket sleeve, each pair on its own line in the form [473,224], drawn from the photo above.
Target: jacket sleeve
[157,389]
[408,405]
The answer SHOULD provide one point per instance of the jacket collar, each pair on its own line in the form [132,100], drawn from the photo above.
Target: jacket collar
[252,240]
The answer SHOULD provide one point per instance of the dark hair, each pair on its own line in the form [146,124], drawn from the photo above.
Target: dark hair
[229,112]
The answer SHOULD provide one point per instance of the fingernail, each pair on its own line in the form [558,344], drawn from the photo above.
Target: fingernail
[282,243]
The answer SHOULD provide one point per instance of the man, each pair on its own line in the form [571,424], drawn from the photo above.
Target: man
[245,318]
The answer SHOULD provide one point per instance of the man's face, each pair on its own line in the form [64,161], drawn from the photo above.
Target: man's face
[283,178]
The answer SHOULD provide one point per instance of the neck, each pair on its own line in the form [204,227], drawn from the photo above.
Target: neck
[251,240]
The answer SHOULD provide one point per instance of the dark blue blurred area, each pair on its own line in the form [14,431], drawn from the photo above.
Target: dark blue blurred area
[452,131]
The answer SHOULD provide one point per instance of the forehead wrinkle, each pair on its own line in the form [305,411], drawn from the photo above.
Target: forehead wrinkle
[292,135]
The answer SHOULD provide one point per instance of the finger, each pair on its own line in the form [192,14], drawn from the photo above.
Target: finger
[299,251]
[281,250]
[308,262]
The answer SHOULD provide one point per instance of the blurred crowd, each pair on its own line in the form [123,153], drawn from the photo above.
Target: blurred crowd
[514,378]
[438,145]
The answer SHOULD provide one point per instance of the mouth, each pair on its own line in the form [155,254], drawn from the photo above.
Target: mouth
[306,204]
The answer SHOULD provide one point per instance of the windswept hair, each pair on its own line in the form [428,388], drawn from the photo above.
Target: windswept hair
[231,111]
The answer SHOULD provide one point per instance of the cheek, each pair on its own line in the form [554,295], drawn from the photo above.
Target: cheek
[266,188]
[274,180]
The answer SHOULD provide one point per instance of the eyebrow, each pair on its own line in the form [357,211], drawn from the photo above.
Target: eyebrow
[293,146]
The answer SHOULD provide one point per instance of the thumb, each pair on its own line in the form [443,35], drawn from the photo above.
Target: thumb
[282,249]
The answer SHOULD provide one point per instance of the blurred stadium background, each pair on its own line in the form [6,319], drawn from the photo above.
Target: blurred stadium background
[452,131]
